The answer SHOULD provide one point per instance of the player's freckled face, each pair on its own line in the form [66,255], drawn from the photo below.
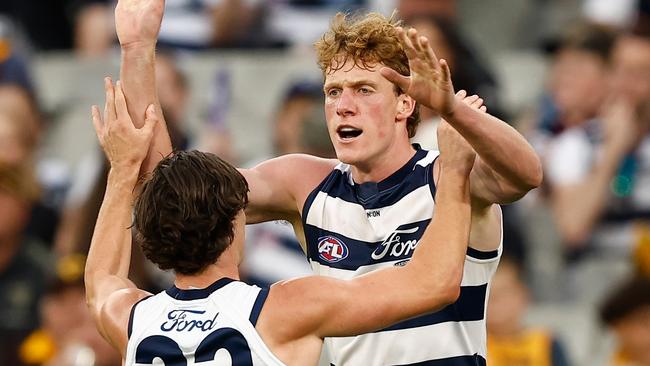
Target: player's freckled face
[360,108]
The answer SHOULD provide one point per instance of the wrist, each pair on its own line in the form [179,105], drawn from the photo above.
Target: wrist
[123,177]
[450,113]
[459,169]
[138,46]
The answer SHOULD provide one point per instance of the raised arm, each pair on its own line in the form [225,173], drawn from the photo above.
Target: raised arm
[497,177]
[137,23]
[431,280]
[107,266]
[578,203]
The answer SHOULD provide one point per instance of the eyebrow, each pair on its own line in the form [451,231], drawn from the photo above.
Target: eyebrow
[354,83]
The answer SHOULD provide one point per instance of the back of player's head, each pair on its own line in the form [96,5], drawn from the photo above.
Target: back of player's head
[366,41]
[185,214]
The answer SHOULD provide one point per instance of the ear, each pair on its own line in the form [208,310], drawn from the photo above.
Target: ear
[405,107]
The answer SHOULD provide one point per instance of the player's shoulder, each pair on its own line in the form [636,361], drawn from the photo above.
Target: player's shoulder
[115,314]
[309,162]
[293,166]
[301,173]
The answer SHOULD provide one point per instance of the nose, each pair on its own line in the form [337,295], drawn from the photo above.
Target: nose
[345,105]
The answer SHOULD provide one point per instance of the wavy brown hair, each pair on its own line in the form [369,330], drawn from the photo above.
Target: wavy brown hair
[184,216]
[366,40]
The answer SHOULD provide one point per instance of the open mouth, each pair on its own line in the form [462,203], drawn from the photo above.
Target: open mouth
[346,132]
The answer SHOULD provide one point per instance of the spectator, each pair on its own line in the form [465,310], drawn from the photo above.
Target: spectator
[19,108]
[599,173]
[300,23]
[23,260]
[273,252]
[510,341]
[201,24]
[68,335]
[627,312]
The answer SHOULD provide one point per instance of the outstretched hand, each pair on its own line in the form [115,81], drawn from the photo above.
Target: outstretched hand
[125,145]
[138,21]
[430,80]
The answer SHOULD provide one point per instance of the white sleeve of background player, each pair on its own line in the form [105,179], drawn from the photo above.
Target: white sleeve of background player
[568,158]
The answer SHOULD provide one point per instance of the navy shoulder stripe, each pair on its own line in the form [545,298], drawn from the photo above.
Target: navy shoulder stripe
[130,326]
[468,307]
[479,254]
[257,306]
[333,176]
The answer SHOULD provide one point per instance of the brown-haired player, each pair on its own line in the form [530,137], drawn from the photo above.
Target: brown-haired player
[190,218]
[369,208]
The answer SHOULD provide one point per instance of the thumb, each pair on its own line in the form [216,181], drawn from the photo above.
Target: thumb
[396,78]
[150,119]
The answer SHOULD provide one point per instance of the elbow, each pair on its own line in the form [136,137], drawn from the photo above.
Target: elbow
[451,295]
[533,177]
[536,175]
[450,287]
[525,183]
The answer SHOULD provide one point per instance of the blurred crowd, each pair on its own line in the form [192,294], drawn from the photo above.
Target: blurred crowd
[573,287]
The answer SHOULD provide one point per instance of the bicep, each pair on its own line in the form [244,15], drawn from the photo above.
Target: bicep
[268,197]
[328,307]
[279,187]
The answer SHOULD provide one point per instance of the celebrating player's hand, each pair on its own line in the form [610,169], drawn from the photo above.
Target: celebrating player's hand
[125,145]
[430,80]
[138,21]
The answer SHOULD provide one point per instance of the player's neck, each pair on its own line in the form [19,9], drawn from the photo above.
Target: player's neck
[207,277]
[383,166]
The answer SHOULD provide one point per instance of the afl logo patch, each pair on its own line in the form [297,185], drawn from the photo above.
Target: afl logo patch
[332,249]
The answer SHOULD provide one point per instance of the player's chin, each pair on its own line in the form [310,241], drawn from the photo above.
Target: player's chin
[347,155]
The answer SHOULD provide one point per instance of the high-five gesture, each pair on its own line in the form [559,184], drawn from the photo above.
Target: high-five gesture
[430,80]
[125,145]
[138,21]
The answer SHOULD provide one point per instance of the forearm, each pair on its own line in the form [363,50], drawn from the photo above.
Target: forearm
[499,146]
[577,208]
[138,77]
[110,249]
[438,260]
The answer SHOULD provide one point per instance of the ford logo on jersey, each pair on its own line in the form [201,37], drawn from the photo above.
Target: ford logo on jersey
[332,249]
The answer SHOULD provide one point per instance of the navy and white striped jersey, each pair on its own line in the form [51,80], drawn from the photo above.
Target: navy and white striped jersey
[211,326]
[352,229]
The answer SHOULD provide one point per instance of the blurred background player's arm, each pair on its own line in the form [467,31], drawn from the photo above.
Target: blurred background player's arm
[579,204]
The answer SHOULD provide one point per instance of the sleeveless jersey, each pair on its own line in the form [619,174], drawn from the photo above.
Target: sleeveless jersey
[202,327]
[352,229]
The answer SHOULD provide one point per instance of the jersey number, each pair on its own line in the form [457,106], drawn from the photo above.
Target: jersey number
[170,352]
